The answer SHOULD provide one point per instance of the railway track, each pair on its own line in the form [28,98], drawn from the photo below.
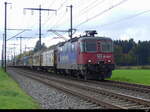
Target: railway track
[102,97]
[135,90]
[129,86]
[132,86]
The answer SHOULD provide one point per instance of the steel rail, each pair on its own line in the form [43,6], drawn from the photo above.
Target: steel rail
[102,91]
[134,87]
[72,92]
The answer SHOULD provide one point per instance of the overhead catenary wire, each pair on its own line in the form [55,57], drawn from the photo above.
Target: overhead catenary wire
[87,6]
[61,5]
[104,11]
[52,2]
[56,24]
[126,18]
[91,7]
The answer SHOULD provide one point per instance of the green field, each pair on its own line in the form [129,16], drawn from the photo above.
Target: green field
[12,97]
[134,76]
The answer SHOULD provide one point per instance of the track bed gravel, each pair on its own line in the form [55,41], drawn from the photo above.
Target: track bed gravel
[50,98]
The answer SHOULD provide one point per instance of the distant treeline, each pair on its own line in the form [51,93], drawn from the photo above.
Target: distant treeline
[128,52]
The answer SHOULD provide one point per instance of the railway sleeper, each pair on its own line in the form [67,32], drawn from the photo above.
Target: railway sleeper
[129,104]
[135,107]
[125,103]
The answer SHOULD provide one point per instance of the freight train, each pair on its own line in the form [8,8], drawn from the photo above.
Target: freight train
[88,57]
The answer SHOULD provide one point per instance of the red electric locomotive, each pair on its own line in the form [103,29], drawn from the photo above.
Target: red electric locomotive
[88,56]
[95,56]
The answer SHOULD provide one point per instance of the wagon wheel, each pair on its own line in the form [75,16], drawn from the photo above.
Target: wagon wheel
[85,77]
[84,74]
[102,78]
[78,76]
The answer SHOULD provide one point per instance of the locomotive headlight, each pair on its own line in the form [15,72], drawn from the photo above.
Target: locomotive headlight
[109,61]
[89,61]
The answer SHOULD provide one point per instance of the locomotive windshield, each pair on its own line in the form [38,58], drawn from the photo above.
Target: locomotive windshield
[88,46]
[106,46]
[96,46]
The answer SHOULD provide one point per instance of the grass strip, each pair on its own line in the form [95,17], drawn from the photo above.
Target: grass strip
[12,96]
[133,76]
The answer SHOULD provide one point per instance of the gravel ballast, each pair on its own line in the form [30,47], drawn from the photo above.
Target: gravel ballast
[48,97]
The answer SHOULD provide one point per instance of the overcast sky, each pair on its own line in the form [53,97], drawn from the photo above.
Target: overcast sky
[117,19]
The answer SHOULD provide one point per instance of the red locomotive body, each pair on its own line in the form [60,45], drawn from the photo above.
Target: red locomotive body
[95,57]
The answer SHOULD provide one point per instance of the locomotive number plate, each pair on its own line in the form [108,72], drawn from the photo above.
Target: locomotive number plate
[103,56]
[99,56]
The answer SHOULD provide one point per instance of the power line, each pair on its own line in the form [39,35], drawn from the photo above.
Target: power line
[53,2]
[21,42]
[57,11]
[106,10]
[57,18]
[19,33]
[62,5]
[126,18]
[65,13]
[48,18]
[87,6]
[40,9]
[92,6]
[60,21]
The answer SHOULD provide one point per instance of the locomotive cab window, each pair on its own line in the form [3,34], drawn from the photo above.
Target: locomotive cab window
[88,46]
[106,46]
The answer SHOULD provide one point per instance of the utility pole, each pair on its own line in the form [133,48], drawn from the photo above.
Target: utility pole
[14,48]
[40,9]
[21,43]
[70,20]
[28,48]
[5,37]
[25,47]
[11,52]
[2,63]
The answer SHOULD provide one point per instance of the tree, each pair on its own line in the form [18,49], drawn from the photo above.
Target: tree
[131,53]
[39,47]
[123,52]
[118,54]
